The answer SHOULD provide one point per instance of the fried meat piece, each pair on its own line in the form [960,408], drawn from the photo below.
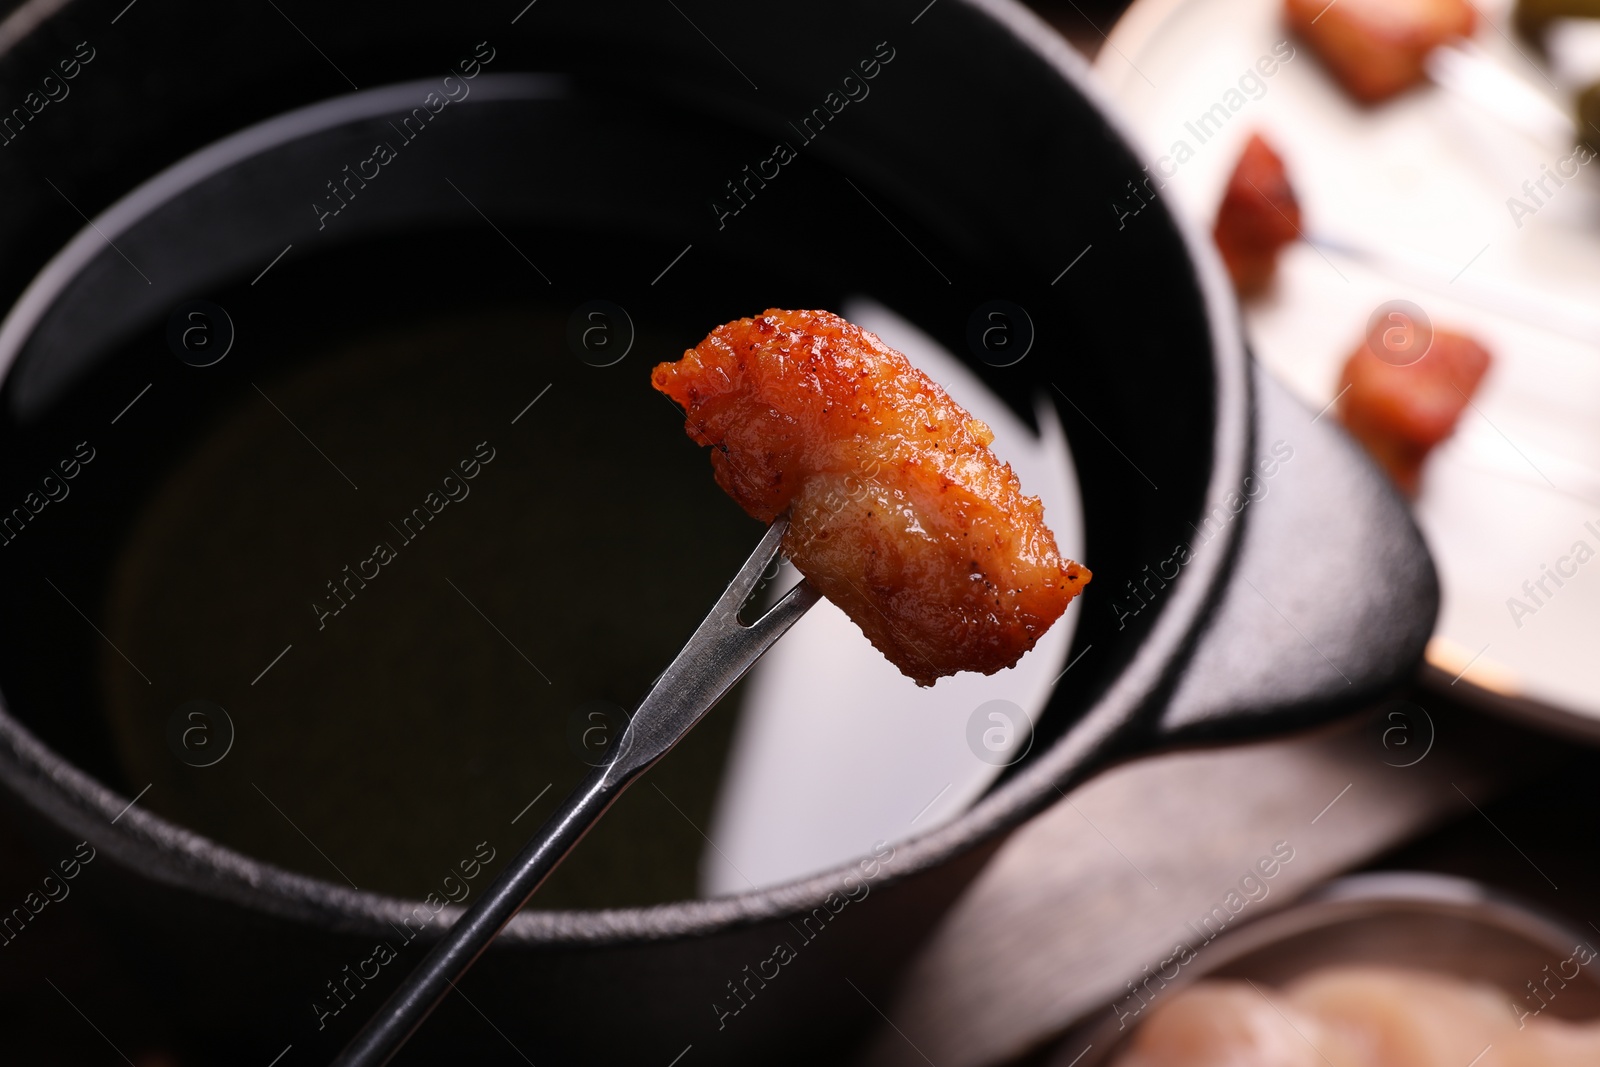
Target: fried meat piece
[1258,216]
[1401,412]
[1376,48]
[899,512]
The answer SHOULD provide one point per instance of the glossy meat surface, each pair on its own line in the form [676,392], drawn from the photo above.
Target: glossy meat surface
[1401,412]
[1258,216]
[899,512]
[1376,48]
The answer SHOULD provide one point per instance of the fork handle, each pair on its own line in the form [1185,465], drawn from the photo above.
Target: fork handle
[719,653]
[411,1004]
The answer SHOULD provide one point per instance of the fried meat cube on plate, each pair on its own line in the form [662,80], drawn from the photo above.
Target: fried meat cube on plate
[1258,216]
[1401,410]
[1376,48]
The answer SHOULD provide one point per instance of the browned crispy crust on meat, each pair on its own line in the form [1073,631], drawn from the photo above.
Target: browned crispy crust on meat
[899,512]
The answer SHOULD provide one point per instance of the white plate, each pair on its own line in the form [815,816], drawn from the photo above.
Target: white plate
[1416,193]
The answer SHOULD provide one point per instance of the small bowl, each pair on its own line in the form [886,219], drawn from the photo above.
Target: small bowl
[1421,921]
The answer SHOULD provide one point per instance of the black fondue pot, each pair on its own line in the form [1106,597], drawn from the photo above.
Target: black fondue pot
[333,299]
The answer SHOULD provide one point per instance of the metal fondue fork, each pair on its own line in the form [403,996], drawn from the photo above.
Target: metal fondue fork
[720,652]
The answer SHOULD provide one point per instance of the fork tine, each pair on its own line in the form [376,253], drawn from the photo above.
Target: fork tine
[744,583]
[800,598]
